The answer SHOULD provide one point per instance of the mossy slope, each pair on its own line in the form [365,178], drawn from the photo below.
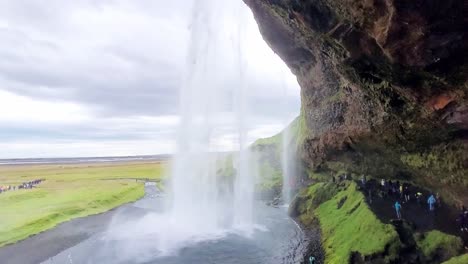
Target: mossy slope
[352,233]
[463,259]
[349,228]
[437,245]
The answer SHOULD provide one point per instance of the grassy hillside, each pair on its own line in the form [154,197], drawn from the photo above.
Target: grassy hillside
[353,233]
[69,191]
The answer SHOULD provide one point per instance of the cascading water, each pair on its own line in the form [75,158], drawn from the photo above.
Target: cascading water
[288,156]
[287,165]
[212,96]
[201,205]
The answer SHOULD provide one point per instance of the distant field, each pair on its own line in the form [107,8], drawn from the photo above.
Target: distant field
[69,191]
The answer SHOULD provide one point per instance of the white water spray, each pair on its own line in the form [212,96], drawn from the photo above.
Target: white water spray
[287,164]
[214,89]
[213,101]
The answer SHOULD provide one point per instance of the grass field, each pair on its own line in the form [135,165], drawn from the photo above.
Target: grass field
[69,191]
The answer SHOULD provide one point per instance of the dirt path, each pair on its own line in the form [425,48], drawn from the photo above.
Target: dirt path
[443,218]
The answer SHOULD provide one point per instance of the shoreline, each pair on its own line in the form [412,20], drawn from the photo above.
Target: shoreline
[69,191]
[51,242]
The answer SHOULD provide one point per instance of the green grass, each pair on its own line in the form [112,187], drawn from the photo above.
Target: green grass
[69,191]
[463,259]
[433,242]
[276,140]
[270,177]
[353,228]
[273,140]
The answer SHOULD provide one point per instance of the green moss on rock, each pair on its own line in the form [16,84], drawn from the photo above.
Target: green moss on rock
[438,245]
[463,259]
[349,226]
[270,177]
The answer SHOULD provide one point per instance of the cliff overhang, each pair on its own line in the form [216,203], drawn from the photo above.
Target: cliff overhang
[383,85]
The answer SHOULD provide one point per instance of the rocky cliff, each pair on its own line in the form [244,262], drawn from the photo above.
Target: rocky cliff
[384,85]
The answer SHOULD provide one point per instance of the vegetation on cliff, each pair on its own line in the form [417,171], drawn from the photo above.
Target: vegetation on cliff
[353,233]
[348,226]
[463,259]
[383,85]
[438,245]
[267,153]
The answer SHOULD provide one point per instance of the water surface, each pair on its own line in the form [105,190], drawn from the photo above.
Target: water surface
[128,239]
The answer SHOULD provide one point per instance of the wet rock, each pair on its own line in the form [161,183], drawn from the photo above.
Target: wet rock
[381,81]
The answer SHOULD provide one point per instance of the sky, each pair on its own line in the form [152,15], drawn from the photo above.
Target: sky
[103,78]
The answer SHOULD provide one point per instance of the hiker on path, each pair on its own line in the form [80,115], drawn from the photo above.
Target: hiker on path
[438,200]
[418,197]
[431,201]
[311,260]
[406,193]
[398,209]
[462,222]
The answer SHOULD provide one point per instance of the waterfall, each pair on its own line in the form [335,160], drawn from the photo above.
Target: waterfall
[287,164]
[213,94]
[214,101]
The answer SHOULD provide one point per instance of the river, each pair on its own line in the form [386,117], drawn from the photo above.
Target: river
[276,239]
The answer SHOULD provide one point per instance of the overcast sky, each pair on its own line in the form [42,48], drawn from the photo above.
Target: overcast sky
[102,78]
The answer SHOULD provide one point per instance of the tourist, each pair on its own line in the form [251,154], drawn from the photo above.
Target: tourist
[462,220]
[398,209]
[390,188]
[418,197]
[431,201]
[401,191]
[406,193]
[363,181]
[311,260]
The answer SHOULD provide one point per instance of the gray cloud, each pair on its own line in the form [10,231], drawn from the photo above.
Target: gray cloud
[117,59]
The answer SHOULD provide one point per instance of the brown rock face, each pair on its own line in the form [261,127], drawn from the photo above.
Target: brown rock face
[384,85]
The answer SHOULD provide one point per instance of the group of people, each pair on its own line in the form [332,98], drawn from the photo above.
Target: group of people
[431,201]
[402,191]
[24,185]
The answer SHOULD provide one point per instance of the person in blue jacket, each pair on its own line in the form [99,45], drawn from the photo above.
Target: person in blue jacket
[398,209]
[431,201]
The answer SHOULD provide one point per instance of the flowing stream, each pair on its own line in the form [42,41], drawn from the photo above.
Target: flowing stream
[130,239]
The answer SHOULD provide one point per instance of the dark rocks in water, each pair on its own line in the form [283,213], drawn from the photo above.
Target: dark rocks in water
[384,86]
[275,202]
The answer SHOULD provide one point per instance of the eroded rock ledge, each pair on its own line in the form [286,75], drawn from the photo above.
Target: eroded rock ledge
[384,85]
